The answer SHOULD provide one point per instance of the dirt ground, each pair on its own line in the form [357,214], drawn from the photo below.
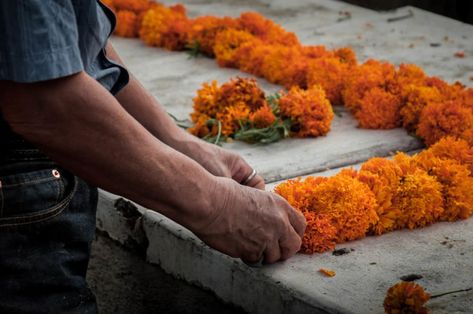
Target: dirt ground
[124,283]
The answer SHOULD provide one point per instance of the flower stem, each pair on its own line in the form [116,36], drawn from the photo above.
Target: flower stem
[450,292]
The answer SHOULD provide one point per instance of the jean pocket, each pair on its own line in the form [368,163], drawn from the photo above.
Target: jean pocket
[34,196]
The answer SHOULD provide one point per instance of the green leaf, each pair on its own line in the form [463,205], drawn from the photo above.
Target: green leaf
[273,133]
[184,123]
[193,49]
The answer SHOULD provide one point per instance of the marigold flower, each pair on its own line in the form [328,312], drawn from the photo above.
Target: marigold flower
[201,127]
[320,234]
[298,192]
[207,101]
[266,30]
[226,46]
[263,117]
[456,184]
[382,175]
[204,30]
[349,204]
[444,119]
[127,24]
[363,78]
[309,109]
[132,5]
[379,109]
[245,90]
[330,74]
[233,117]
[281,64]
[455,149]
[417,98]
[165,27]
[418,196]
[406,297]
[468,136]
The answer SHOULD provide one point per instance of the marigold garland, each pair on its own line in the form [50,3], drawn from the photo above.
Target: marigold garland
[406,192]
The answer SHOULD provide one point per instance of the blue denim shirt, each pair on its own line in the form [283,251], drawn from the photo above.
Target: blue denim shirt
[47,39]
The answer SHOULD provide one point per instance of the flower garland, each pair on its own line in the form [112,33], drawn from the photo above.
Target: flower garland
[239,108]
[384,195]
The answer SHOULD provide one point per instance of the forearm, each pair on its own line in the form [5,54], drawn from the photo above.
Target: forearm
[146,109]
[82,127]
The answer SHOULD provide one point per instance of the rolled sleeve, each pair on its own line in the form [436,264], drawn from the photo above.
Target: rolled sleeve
[38,40]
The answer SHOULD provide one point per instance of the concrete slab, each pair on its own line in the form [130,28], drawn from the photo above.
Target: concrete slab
[442,254]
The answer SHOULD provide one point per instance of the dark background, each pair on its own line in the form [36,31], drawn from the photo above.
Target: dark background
[458,9]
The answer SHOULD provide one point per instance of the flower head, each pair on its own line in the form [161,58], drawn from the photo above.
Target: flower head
[309,109]
[406,297]
[263,117]
[438,120]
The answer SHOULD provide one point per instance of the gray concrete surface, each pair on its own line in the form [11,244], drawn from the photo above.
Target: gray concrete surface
[442,253]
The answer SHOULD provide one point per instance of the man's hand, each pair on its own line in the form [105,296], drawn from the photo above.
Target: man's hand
[224,163]
[267,227]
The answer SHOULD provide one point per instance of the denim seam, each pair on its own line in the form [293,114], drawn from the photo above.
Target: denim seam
[40,216]
[31,182]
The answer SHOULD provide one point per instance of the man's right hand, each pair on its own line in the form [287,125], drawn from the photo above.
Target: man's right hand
[249,223]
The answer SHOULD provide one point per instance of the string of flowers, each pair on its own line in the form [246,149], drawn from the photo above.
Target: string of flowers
[379,95]
[384,195]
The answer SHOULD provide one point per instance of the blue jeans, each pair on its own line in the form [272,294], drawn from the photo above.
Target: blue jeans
[47,224]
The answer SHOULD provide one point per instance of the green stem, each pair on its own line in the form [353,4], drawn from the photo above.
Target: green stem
[450,292]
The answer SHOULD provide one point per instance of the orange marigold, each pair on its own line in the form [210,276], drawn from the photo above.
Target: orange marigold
[444,119]
[200,127]
[456,184]
[232,117]
[468,136]
[204,30]
[329,73]
[320,234]
[245,90]
[266,30]
[165,27]
[127,24]
[417,98]
[132,5]
[226,46]
[298,192]
[455,149]
[382,177]
[263,117]
[418,196]
[309,109]
[363,78]
[207,101]
[406,297]
[349,204]
[379,109]
[282,64]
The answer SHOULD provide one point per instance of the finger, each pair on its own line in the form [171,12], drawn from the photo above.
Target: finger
[289,245]
[253,259]
[257,182]
[272,253]
[296,218]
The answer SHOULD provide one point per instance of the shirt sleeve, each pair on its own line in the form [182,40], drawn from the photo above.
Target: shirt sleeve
[38,40]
